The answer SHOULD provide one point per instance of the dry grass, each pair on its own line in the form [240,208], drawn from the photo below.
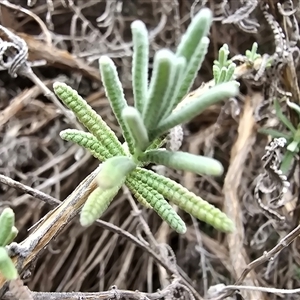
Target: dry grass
[134,253]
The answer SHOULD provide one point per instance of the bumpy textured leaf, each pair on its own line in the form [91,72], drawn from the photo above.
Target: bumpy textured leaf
[101,151]
[113,172]
[7,268]
[185,161]
[139,63]
[192,69]
[7,221]
[138,196]
[197,106]
[158,203]
[198,28]
[185,199]
[87,116]
[115,94]
[136,127]
[96,204]
[171,96]
[162,72]
[193,47]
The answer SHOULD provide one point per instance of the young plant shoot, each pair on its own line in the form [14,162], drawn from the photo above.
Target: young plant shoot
[7,234]
[146,124]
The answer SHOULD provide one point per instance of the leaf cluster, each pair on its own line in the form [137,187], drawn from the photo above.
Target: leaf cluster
[145,125]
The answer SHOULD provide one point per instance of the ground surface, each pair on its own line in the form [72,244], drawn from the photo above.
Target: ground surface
[65,45]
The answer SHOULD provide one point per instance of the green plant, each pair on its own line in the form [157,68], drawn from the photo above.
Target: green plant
[292,136]
[252,54]
[223,68]
[7,234]
[145,126]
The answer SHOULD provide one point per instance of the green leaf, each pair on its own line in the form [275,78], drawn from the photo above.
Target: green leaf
[185,161]
[197,106]
[252,55]
[192,68]
[283,118]
[139,63]
[7,267]
[136,127]
[274,133]
[222,75]
[100,150]
[184,199]
[7,221]
[115,94]
[230,72]
[96,204]
[287,161]
[138,194]
[87,116]
[216,73]
[193,47]
[170,98]
[158,203]
[198,28]
[163,67]
[223,56]
[293,106]
[14,232]
[113,171]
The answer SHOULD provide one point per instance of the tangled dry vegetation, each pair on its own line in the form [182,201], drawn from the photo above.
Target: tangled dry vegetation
[129,249]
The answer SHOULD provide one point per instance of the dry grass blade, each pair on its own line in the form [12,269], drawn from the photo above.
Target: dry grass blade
[54,222]
[58,58]
[239,154]
[114,293]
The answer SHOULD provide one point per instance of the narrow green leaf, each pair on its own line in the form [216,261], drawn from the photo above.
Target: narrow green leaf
[158,203]
[184,199]
[162,70]
[287,161]
[115,94]
[282,117]
[101,150]
[114,171]
[222,75]
[293,106]
[136,127]
[7,267]
[7,221]
[87,116]
[169,101]
[14,232]
[193,47]
[198,28]
[223,56]
[138,195]
[274,133]
[216,73]
[230,72]
[192,68]
[139,63]
[158,142]
[196,106]
[96,204]
[293,146]
[185,161]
